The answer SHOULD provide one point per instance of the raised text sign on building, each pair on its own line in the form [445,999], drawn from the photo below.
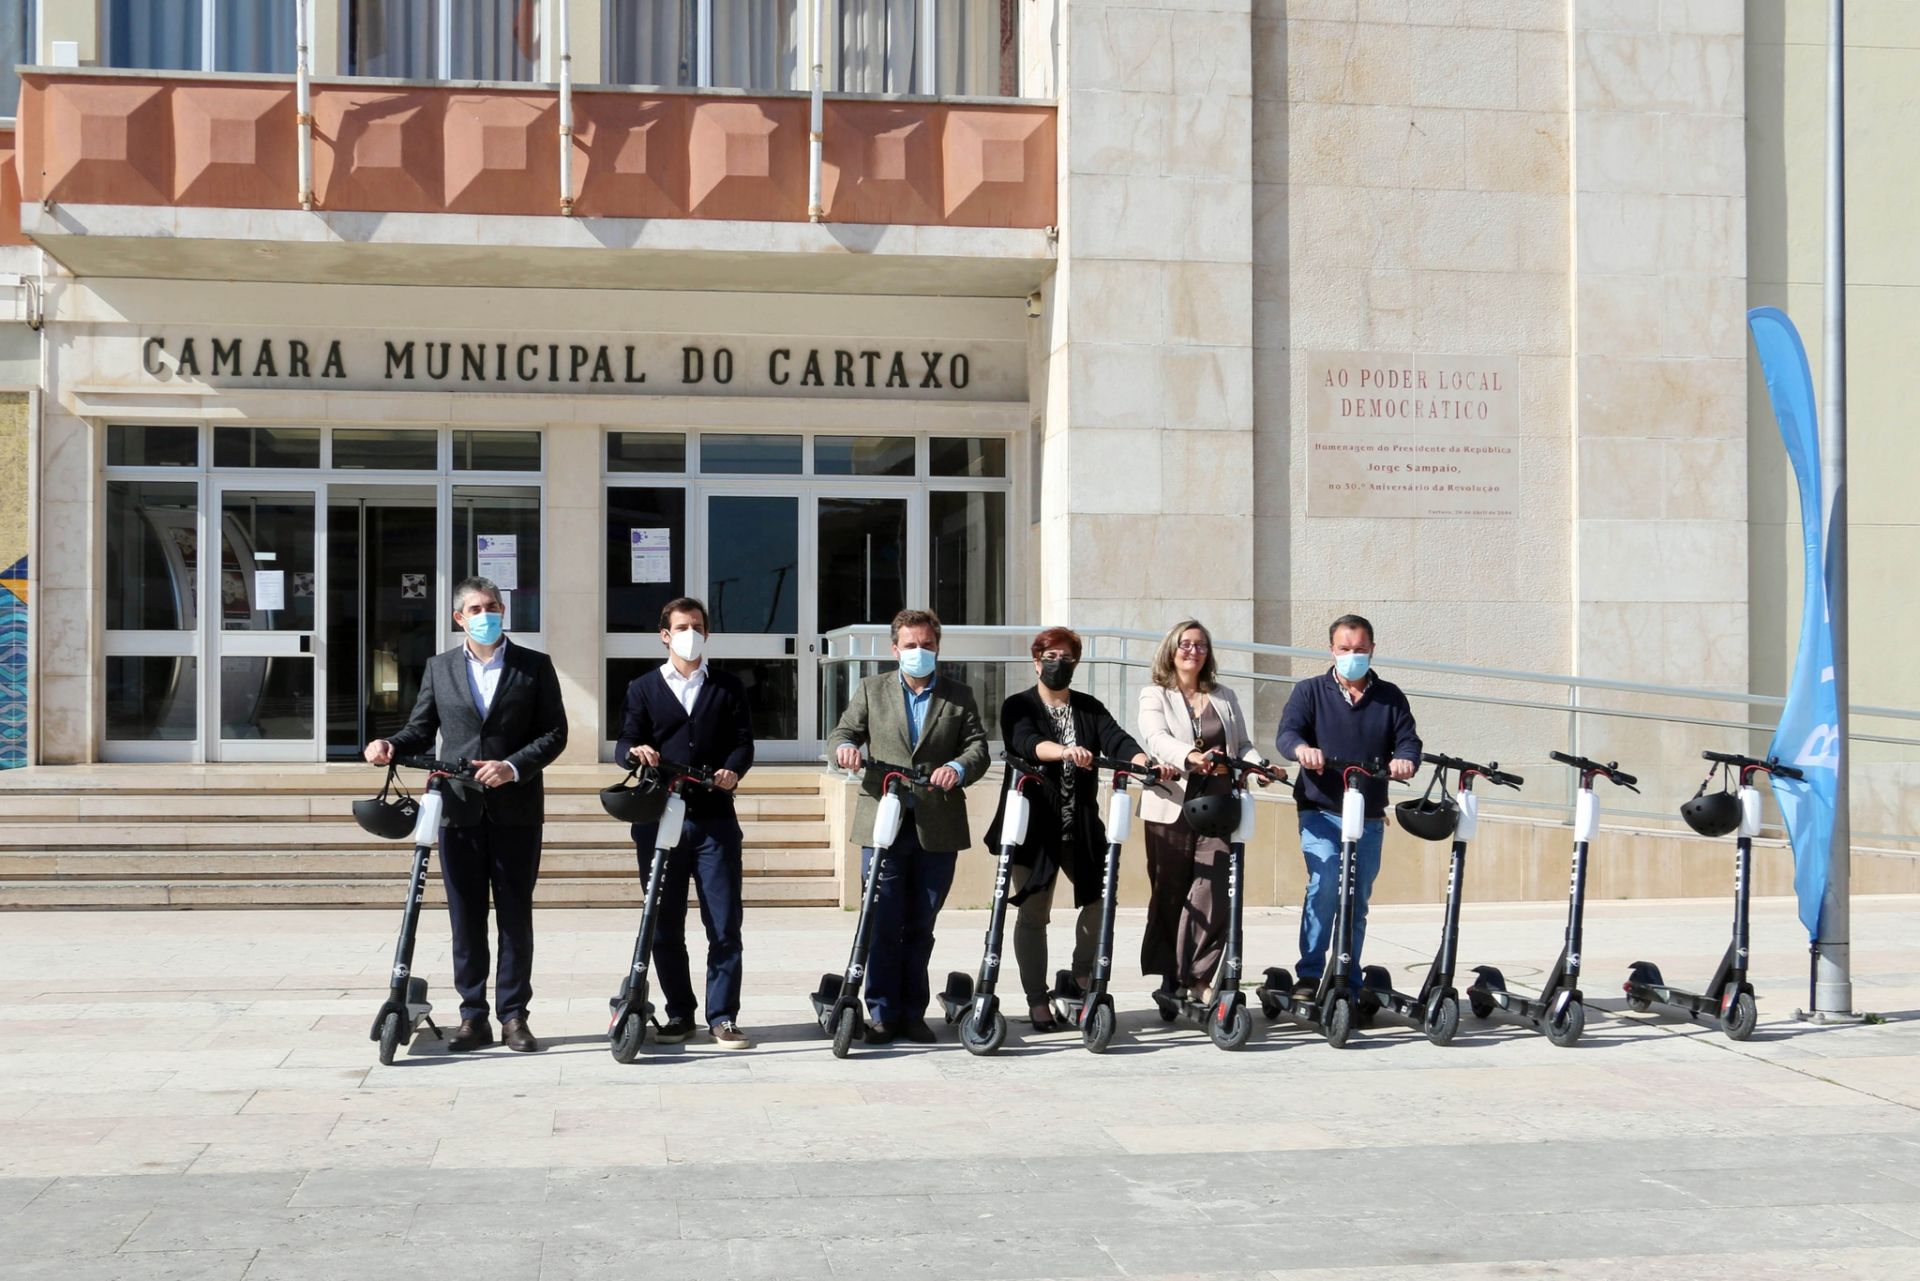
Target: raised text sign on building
[1393,434]
[599,364]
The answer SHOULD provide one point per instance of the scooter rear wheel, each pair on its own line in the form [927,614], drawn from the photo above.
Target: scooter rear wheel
[629,1038]
[845,1025]
[1646,974]
[389,1037]
[1442,1019]
[983,1040]
[1338,1024]
[1098,1033]
[1740,1020]
[1231,1033]
[1565,1027]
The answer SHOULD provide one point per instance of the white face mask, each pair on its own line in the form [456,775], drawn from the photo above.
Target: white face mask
[688,644]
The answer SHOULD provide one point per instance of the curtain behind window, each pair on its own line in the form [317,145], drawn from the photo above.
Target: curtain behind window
[157,35]
[651,43]
[495,40]
[253,35]
[757,44]
[879,47]
[978,48]
[398,38]
[16,48]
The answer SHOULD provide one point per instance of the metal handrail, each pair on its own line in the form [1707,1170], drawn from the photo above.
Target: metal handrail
[868,645]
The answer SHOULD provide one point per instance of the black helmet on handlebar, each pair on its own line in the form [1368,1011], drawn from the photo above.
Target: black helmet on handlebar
[391,814]
[1712,813]
[640,797]
[1429,817]
[1212,815]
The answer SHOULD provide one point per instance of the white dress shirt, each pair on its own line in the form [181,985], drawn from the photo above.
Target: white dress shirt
[483,678]
[685,688]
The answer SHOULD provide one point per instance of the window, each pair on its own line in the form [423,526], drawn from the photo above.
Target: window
[967,456]
[386,449]
[496,451]
[266,447]
[687,44]
[963,48]
[752,455]
[649,451]
[863,455]
[200,35]
[153,538]
[17,48]
[443,39]
[496,534]
[152,446]
[646,555]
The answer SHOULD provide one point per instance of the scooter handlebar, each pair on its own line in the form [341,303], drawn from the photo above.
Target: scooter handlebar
[1258,767]
[1750,764]
[461,768]
[915,775]
[691,773]
[1342,767]
[1491,771]
[1611,771]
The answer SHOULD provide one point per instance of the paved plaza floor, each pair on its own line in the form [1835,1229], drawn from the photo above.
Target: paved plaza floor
[193,1095]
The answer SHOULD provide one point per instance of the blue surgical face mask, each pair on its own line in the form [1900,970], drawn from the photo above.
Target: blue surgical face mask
[917,662]
[485,629]
[1352,666]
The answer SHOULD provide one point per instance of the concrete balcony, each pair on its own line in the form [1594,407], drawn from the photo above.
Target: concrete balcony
[155,175]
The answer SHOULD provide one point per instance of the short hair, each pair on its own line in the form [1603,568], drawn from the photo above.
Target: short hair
[1350,620]
[1057,638]
[470,584]
[683,605]
[915,618]
[1163,658]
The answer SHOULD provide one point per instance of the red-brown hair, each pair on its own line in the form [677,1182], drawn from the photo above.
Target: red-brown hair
[1057,638]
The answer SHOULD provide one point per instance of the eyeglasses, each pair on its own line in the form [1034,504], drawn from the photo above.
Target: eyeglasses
[1193,647]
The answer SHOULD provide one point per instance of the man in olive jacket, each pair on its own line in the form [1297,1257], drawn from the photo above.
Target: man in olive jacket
[911,717]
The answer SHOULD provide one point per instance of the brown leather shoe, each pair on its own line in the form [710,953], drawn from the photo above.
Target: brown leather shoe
[518,1036]
[473,1034]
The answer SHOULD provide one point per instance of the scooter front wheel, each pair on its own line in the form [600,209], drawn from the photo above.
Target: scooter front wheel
[389,1037]
[1338,1024]
[1231,1032]
[845,1025]
[984,1038]
[1098,1033]
[1565,1027]
[629,1038]
[1442,1019]
[1741,1018]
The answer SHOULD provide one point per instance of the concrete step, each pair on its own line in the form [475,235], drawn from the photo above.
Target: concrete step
[200,807]
[333,780]
[387,862]
[332,834]
[764,891]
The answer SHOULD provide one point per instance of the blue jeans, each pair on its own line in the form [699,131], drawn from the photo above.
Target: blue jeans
[709,853]
[1320,845]
[913,886]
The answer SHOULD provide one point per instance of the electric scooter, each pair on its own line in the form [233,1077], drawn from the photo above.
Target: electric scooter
[1330,1009]
[1092,1010]
[837,1002]
[1435,1008]
[631,1025]
[451,796]
[1728,996]
[976,1006]
[1226,1017]
[1559,1012]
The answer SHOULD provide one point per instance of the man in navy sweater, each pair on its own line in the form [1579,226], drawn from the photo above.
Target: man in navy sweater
[1347,713]
[687,713]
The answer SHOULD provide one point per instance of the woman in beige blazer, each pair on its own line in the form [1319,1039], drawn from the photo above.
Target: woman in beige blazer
[1184,714]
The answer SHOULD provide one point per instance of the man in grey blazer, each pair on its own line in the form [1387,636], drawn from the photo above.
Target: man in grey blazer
[911,717]
[498,705]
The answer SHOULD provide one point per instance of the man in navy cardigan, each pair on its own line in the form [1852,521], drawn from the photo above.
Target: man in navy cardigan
[685,712]
[1349,713]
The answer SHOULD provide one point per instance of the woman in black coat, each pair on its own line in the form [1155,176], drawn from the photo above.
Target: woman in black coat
[1062,731]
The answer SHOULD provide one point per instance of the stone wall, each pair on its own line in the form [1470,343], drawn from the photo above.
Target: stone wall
[14,567]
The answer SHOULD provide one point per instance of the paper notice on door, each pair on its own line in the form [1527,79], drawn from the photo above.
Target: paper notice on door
[269,589]
[506,610]
[499,557]
[652,551]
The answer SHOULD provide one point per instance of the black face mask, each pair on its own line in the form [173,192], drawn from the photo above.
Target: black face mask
[1057,673]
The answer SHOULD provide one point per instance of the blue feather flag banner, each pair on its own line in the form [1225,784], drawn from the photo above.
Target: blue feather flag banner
[1808,733]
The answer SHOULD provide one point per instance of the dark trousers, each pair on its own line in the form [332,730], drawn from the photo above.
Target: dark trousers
[505,861]
[708,853]
[913,886]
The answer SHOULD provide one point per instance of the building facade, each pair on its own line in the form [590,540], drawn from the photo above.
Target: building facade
[1116,312]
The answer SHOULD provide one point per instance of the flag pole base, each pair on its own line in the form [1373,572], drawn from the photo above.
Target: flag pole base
[1828,1017]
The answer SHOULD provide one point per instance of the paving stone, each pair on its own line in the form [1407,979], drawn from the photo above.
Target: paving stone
[160,1265]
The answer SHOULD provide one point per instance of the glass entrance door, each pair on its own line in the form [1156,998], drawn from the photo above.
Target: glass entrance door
[266,631]
[383,619]
[755,548]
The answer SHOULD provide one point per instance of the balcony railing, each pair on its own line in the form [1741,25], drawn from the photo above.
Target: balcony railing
[233,142]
